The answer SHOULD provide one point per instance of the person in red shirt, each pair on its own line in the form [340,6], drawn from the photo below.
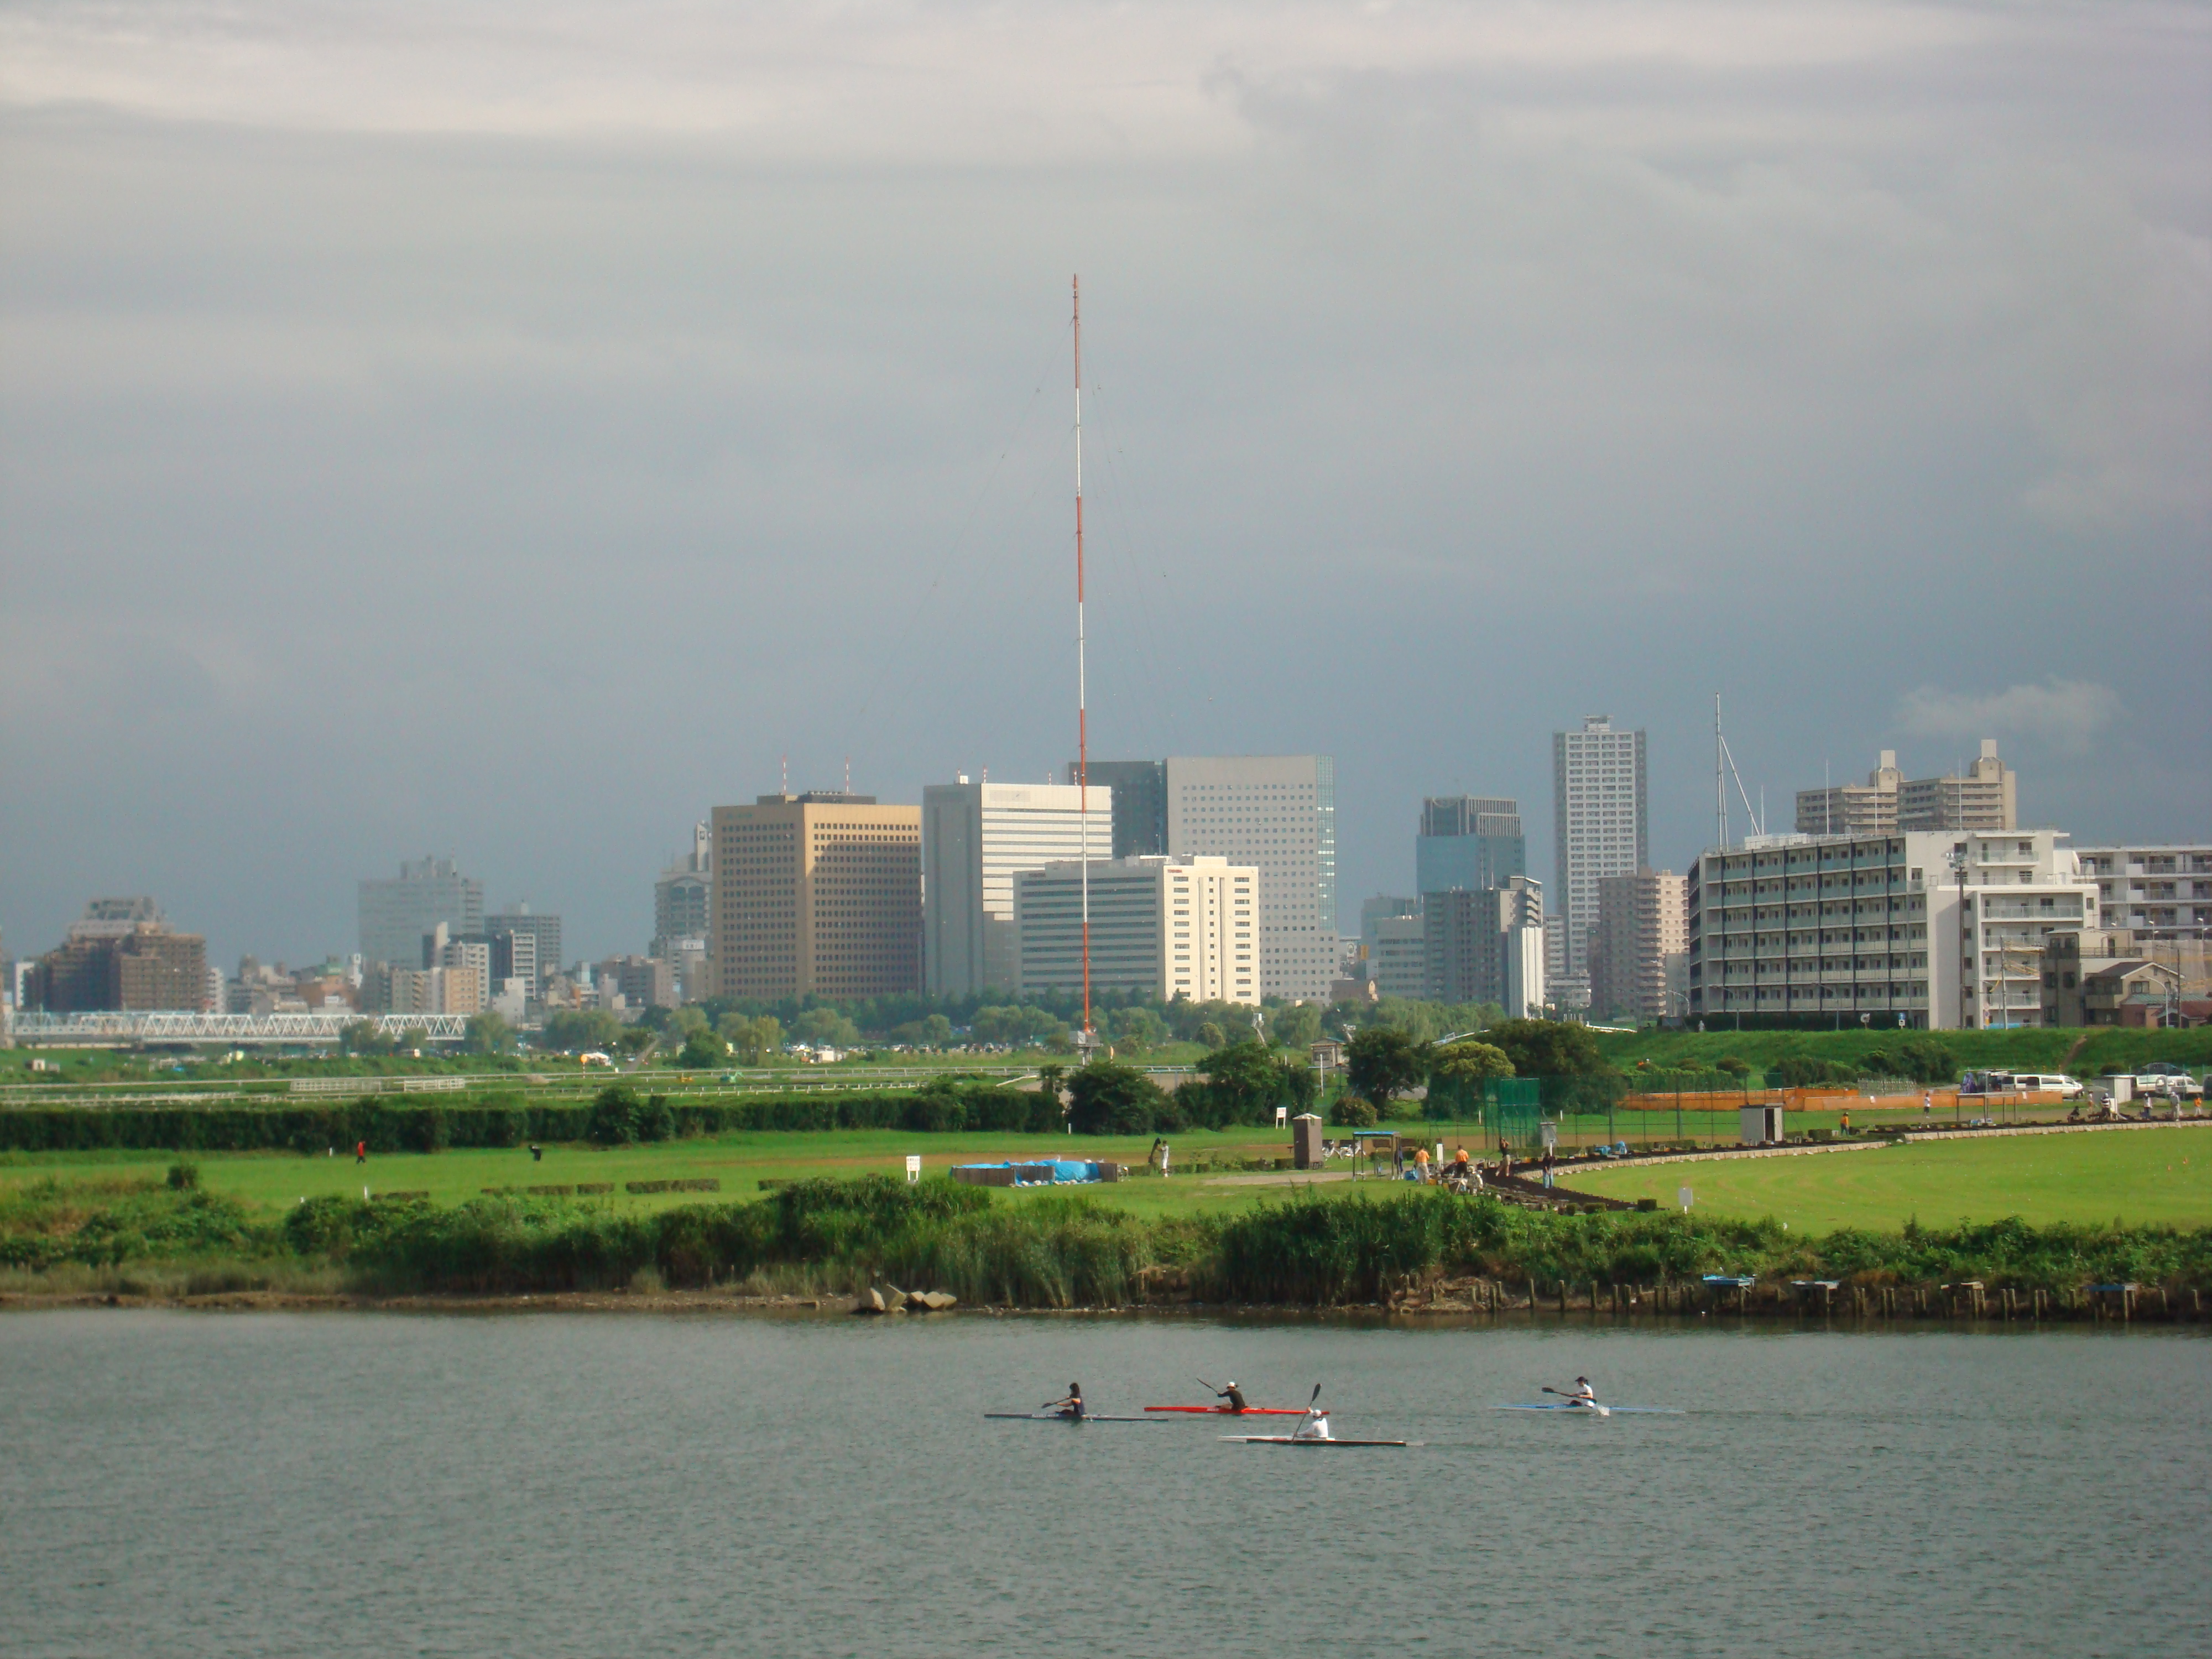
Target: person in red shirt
[360,1151]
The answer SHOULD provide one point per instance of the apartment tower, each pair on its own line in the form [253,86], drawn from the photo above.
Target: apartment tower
[1599,822]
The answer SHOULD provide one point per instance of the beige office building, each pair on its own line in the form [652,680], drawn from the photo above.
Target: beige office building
[1165,927]
[1986,796]
[1643,920]
[817,895]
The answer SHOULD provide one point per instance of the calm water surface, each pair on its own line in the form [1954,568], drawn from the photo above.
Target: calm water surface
[557,1485]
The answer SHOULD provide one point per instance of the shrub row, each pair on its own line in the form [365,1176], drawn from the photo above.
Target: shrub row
[386,1125]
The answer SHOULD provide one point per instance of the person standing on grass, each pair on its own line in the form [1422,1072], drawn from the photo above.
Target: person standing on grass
[360,1151]
[1927,1105]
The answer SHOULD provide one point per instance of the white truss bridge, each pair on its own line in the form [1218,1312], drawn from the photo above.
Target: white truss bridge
[239,1030]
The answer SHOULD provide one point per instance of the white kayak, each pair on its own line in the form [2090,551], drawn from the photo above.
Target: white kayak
[1591,1408]
[1305,1440]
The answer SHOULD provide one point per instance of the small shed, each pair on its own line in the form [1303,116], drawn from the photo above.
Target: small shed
[1307,1151]
[1762,1126]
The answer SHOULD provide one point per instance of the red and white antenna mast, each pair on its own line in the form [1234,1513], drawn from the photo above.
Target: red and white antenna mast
[1082,707]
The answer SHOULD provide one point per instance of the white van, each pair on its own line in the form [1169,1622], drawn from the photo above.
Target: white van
[2047,1083]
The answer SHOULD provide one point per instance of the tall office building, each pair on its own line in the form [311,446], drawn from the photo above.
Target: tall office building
[682,897]
[1643,920]
[1140,804]
[1486,945]
[396,915]
[975,836]
[1398,957]
[1277,814]
[817,895]
[1163,927]
[543,932]
[1468,842]
[1986,796]
[1599,822]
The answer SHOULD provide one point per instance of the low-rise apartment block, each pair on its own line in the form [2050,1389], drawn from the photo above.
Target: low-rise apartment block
[1921,929]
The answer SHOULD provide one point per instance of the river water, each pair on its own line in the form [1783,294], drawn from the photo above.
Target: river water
[566,1484]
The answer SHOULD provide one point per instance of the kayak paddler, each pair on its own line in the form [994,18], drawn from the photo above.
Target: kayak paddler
[1315,1427]
[1234,1396]
[1072,1406]
[1582,1394]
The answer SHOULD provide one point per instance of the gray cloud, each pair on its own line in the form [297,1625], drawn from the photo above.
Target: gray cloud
[2068,714]
[509,431]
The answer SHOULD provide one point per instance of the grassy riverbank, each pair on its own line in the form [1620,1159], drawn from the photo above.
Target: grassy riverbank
[1314,1247]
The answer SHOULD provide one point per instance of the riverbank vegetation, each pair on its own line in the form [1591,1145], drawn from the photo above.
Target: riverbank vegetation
[1052,1250]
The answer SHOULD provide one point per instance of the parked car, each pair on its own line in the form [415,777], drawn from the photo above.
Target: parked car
[2161,1079]
[2047,1083]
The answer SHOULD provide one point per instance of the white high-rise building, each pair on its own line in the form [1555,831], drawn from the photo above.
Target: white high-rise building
[1277,814]
[974,838]
[1599,826]
[1165,927]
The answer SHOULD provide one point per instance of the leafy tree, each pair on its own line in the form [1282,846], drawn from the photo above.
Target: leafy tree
[1548,1048]
[1457,1074]
[937,1031]
[366,1037]
[757,1039]
[1297,1026]
[1734,1065]
[655,1120]
[678,1023]
[1136,1028]
[1242,1084]
[1926,1059]
[1381,1062]
[1111,1099]
[1350,1112]
[704,1048]
[487,1033]
[826,1027]
[573,1030]
[1211,1035]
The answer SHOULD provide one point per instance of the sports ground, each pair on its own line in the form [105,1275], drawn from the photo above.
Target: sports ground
[2144,1176]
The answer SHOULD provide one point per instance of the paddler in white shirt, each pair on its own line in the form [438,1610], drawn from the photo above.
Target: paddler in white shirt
[1582,1394]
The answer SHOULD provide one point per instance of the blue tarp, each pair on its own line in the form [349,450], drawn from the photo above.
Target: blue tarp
[1063,1169]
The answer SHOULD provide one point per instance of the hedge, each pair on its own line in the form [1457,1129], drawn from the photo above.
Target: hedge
[386,1125]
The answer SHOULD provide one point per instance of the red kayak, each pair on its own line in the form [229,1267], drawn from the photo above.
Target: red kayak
[1230,1411]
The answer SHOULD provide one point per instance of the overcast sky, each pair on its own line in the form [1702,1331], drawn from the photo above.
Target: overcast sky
[507,430]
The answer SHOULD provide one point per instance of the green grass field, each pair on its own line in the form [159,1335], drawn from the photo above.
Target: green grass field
[741,1161]
[2141,1176]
